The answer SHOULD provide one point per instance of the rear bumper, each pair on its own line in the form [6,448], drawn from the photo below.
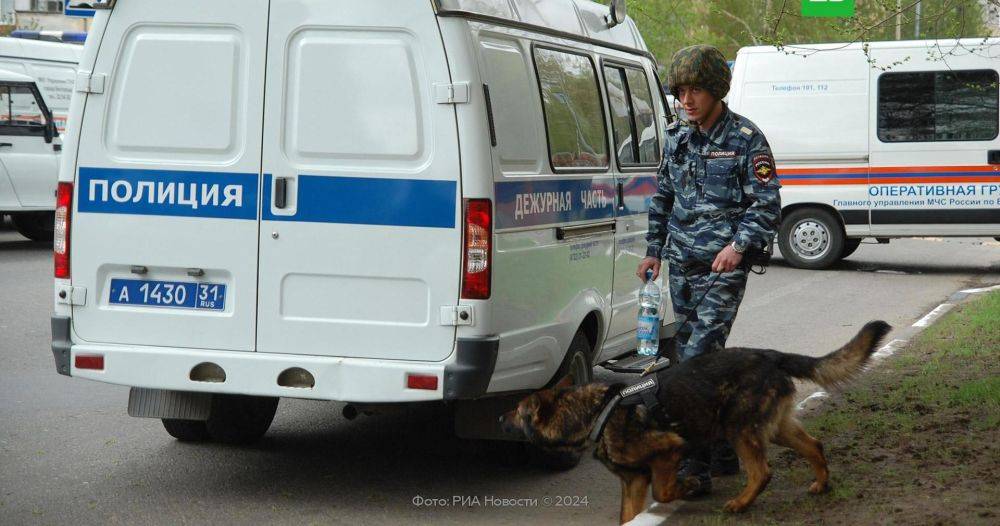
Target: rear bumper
[465,375]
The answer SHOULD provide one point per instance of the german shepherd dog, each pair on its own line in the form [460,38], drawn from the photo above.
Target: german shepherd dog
[742,395]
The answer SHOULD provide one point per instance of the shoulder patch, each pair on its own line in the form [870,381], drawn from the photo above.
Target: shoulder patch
[746,131]
[763,167]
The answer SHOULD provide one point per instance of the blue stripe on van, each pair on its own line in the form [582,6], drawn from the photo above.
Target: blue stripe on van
[167,193]
[535,202]
[369,201]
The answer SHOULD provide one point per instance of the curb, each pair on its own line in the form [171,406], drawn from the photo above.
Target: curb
[659,513]
[814,400]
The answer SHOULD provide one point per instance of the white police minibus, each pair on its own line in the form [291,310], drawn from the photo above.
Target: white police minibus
[902,141]
[370,202]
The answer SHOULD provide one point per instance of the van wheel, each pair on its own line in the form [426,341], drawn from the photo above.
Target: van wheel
[577,364]
[186,430]
[850,246]
[811,238]
[36,226]
[240,419]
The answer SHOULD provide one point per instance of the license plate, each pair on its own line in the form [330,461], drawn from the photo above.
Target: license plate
[176,294]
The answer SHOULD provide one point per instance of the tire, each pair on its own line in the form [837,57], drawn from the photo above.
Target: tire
[851,245]
[811,238]
[240,419]
[578,364]
[186,430]
[36,226]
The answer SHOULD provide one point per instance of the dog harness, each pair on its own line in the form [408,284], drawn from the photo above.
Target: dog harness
[643,392]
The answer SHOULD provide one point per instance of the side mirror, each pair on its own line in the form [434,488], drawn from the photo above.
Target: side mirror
[618,13]
[50,132]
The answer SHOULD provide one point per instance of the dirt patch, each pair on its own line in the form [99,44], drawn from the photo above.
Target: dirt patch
[914,441]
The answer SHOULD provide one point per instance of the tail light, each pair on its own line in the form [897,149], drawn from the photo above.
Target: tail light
[60,245]
[478,249]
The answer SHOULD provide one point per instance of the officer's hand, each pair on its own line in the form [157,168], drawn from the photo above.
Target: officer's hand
[727,260]
[646,264]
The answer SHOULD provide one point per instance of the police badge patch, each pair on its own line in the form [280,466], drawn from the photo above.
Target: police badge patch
[763,167]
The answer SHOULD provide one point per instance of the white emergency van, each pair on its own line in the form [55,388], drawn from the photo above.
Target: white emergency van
[370,202]
[29,156]
[900,142]
[36,84]
[51,64]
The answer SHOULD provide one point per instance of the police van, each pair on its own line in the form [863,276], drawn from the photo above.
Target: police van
[371,202]
[36,83]
[900,142]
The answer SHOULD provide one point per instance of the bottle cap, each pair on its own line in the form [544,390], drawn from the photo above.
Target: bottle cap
[649,274]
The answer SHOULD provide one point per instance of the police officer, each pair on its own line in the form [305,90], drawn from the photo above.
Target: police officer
[717,197]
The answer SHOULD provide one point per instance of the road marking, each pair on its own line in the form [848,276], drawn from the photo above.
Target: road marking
[818,394]
[655,515]
[888,349]
[933,315]
[977,291]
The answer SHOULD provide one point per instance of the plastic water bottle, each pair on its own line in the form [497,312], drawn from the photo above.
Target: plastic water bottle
[648,330]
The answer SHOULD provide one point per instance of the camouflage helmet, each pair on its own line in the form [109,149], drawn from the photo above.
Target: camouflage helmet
[702,66]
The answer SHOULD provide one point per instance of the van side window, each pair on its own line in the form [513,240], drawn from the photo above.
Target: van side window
[574,117]
[19,112]
[644,115]
[632,115]
[938,106]
[621,116]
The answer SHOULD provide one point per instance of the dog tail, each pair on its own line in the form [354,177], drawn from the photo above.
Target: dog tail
[840,365]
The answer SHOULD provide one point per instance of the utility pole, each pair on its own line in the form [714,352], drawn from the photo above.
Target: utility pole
[916,25]
[899,19]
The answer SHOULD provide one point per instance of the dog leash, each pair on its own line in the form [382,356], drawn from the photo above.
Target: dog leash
[657,364]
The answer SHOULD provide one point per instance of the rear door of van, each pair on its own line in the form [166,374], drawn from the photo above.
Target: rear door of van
[360,242]
[935,145]
[164,235]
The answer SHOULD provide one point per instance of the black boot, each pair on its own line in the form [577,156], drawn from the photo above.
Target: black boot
[694,476]
[724,459]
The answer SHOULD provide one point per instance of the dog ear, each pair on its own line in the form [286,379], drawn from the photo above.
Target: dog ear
[566,382]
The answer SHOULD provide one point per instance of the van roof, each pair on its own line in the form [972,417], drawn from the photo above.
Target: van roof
[40,50]
[942,45]
[10,76]
[582,19]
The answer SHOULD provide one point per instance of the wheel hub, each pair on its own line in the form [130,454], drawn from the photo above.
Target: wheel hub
[810,239]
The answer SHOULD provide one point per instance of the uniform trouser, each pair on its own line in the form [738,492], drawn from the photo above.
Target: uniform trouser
[709,325]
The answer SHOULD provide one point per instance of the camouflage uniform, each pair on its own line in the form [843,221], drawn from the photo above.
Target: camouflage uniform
[715,188]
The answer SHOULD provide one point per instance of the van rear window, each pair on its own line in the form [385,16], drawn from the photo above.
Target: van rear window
[574,117]
[938,106]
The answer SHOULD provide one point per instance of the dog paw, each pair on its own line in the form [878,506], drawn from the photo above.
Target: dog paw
[816,488]
[734,506]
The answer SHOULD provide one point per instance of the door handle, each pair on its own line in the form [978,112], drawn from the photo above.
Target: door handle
[280,192]
[621,195]
[6,144]
[583,230]
[992,156]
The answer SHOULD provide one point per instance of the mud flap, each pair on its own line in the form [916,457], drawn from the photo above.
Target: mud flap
[175,405]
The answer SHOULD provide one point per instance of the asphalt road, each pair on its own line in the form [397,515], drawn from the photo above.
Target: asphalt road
[69,454]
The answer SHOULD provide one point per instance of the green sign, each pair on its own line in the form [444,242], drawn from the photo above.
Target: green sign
[828,8]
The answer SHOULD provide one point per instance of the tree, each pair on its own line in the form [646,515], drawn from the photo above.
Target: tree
[668,25]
